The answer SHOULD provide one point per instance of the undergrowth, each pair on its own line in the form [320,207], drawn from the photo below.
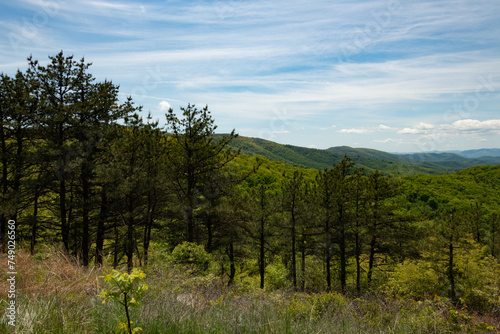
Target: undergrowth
[55,295]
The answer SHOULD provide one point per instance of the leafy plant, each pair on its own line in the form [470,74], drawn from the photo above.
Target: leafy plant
[127,290]
[276,275]
[193,255]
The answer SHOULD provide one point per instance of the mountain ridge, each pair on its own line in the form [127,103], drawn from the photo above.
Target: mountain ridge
[396,164]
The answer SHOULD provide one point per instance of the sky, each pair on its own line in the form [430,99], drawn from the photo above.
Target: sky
[393,75]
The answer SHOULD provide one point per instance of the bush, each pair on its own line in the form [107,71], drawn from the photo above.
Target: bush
[192,255]
[276,275]
[415,280]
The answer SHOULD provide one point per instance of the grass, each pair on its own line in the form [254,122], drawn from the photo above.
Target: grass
[55,295]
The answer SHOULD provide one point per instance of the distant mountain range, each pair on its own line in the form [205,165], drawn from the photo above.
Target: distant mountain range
[397,164]
[482,152]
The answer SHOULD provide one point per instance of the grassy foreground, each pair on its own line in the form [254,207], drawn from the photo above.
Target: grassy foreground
[54,295]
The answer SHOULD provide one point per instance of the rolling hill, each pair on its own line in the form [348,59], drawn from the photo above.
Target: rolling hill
[396,164]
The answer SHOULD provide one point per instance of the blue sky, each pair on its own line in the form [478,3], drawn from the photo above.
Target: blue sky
[394,75]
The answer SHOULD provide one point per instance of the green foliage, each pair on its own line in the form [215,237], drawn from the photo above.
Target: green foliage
[395,164]
[479,278]
[192,255]
[125,289]
[476,275]
[415,280]
[314,276]
[277,275]
[469,186]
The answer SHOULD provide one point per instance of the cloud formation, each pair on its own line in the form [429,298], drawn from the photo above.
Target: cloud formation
[164,106]
[356,131]
[368,66]
[475,125]
[463,126]
[419,128]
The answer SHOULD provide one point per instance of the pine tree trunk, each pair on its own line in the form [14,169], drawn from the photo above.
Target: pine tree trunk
[34,225]
[99,244]
[262,265]
[358,264]
[130,242]
[63,213]
[294,259]
[116,248]
[232,272]
[328,257]
[303,264]
[343,261]
[371,259]
[147,232]
[85,213]
[342,250]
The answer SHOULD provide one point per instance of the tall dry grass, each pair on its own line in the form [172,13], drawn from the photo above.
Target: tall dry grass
[52,290]
[57,295]
[52,271]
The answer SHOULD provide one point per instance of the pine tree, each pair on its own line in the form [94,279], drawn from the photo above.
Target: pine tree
[196,156]
[293,192]
[380,216]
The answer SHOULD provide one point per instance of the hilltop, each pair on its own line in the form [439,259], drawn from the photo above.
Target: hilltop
[371,159]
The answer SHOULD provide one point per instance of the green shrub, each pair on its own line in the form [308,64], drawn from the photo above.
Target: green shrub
[192,255]
[276,275]
[414,279]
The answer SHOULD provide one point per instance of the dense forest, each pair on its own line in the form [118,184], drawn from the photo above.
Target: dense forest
[84,171]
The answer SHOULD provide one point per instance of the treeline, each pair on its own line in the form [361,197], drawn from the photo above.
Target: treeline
[81,169]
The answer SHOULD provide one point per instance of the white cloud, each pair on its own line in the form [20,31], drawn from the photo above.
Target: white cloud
[419,128]
[387,140]
[164,106]
[470,130]
[281,132]
[358,131]
[409,131]
[325,129]
[383,127]
[473,124]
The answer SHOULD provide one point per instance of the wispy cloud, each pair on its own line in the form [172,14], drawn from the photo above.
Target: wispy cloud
[419,128]
[372,67]
[464,125]
[356,131]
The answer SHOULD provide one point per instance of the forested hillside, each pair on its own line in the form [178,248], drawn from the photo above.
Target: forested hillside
[85,172]
[395,164]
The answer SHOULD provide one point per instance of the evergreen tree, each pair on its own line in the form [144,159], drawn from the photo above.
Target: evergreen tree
[131,168]
[18,104]
[293,192]
[380,217]
[342,196]
[325,201]
[359,217]
[451,227]
[196,156]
